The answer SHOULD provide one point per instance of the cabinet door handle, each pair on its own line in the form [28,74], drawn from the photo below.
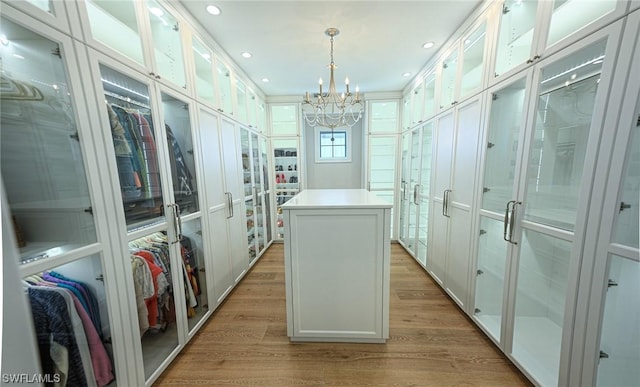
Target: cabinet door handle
[415,194]
[512,221]
[404,190]
[229,204]
[178,221]
[506,221]
[175,222]
[445,202]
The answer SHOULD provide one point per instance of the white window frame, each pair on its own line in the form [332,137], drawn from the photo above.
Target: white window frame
[319,130]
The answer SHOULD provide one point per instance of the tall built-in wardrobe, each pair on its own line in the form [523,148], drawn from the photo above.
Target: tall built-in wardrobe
[519,190]
[134,183]
[136,167]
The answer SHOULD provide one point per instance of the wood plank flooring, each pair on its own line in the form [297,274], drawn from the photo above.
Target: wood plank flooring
[432,343]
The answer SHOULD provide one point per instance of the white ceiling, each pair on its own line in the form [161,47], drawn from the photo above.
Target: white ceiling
[378,41]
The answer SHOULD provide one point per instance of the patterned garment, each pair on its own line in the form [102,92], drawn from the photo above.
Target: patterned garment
[59,351]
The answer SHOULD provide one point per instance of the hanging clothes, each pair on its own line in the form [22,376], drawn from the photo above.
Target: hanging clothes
[182,185]
[59,353]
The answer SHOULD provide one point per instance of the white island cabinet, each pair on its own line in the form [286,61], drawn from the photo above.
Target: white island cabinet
[337,254]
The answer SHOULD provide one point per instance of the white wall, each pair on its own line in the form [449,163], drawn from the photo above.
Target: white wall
[334,175]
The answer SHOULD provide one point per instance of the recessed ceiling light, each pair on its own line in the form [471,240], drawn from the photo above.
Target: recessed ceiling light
[428,45]
[265,80]
[246,54]
[212,9]
[407,74]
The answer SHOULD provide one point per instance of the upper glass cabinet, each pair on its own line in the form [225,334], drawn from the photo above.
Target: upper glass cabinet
[167,45]
[114,24]
[202,61]
[384,117]
[429,96]
[284,120]
[241,101]
[417,102]
[515,38]
[473,61]
[224,87]
[448,80]
[42,161]
[569,16]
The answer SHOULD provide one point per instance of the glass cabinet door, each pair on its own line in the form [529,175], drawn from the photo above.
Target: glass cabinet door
[505,132]
[134,142]
[284,120]
[167,45]
[473,61]
[223,78]
[245,147]
[202,60]
[382,171]
[150,257]
[448,80]
[620,338]
[417,103]
[424,191]
[404,188]
[562,126]
[516,34]
[184,180]
[115,24]
[569,16]
[406,111]
[241,102]
[257,193]
[384,117]
[626,229]
[265,168]
[252,106]
[261,112]
[194,272]
[560,131]
[42,161]
[429,108]
[285,152]
[414,186]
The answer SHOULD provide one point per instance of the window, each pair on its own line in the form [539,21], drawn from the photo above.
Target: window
[333,146]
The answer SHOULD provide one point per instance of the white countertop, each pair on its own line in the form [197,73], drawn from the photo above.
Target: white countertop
[335,198]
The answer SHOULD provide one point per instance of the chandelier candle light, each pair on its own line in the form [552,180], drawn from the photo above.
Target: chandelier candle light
[332,110]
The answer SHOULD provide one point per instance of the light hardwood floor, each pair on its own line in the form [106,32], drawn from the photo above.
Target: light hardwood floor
[432,343]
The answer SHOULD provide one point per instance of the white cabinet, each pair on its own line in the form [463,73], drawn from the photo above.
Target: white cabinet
[337,291]
[457,136]
[530,30]
[542,139]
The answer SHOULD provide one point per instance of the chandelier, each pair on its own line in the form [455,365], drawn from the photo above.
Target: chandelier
[330,109]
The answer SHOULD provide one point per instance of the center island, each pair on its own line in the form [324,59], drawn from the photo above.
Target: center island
[337,263]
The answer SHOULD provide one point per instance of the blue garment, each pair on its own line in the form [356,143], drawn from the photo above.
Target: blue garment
[91,300]
[53,324]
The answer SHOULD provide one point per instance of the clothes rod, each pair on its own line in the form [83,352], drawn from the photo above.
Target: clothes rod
[126,99]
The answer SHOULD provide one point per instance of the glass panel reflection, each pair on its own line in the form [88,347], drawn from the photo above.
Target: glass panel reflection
[135,147]
[181,160]
[167,45]
[73,297]
[382,159]
[492,254]
[384,117]
[620,337]
[41,159]
[284,119]
[626,228]
[448,86]
[543,272]
[154,294]
[517,23]
[224,87]
[192,254]
[571,15]
[114,24]
[505,125]
[566,101]
[414,175]
[202,59]
[429,95]
[473,61]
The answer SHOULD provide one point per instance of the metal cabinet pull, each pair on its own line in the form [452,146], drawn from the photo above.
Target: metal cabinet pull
[229,205]
[512,222]
[445,202]
[415,194]
[507,212]
[175,222]
[404,190]
[179,221]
